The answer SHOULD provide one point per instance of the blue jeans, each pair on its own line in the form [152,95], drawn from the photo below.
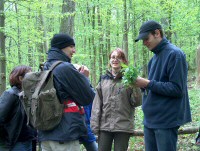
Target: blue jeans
[90,146]
[23,146]
[19,146]
[160,139]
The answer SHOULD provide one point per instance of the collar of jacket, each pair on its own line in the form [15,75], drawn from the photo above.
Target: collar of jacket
[109,73]
[57,54]
[14,90]
[160,46]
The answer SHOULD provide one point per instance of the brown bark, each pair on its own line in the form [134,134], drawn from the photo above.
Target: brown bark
[67,22]
[198,66]
[18,36]
[189,130]
[125,36]
[108,41]
[43,45]
[30,49]
[167,21]
[100,41]
[94,81]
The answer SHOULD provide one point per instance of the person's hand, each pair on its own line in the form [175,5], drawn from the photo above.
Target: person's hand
[141,82]
[84,70]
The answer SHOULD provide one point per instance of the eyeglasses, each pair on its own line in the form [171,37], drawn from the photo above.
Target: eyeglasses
[117,58]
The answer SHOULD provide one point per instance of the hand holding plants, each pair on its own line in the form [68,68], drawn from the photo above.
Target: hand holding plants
[130,74]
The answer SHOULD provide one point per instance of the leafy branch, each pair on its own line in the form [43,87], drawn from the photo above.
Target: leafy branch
[130,74]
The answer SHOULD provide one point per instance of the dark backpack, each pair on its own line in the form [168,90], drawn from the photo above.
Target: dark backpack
[42,106]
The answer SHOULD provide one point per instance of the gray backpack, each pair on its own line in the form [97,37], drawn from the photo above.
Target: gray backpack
[42,106]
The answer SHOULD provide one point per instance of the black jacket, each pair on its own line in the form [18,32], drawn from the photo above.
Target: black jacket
[70,85]
[13,126]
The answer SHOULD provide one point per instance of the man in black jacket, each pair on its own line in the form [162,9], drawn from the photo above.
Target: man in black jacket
[73,89]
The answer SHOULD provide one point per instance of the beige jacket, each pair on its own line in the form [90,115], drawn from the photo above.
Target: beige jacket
[114,105]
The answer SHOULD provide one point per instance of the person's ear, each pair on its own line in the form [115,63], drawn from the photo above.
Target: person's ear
[157,33]
[20,78]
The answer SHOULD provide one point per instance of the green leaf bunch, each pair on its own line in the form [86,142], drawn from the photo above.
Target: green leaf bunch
[130,74]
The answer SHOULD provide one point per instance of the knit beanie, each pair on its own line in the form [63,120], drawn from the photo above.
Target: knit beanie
[62,41]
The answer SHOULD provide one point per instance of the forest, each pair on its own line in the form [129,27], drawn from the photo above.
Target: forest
[98,27]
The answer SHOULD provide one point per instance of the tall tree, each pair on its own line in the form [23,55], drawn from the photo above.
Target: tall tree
[134,31]
[108,39]
[94,48]
[2,49]
[30,51]
[100,40]
[198,66]
[18,35]
[67,22]
[125,33]
[42,45]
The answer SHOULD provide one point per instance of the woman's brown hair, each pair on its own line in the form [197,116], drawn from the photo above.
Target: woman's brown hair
[16,73]
[121,54]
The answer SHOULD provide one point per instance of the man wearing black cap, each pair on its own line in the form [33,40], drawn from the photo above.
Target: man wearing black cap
[165,101]
[73,90]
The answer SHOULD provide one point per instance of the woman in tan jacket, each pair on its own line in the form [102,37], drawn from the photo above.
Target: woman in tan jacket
[114,106]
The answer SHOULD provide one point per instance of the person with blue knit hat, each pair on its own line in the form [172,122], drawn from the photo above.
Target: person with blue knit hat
[165,103]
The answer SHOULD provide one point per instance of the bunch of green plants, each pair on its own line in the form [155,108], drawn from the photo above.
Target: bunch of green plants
[130,74]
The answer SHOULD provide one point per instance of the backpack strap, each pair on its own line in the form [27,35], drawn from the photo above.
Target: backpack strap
[55,64]
[38,87]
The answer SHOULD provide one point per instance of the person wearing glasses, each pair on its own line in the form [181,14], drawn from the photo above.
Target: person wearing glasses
[113,107]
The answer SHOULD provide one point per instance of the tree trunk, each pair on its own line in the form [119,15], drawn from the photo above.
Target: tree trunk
[125,34]
[145,58]
[189,130]
[108,41]
[94,81]
[2,49]
[92,74]
[144,62]
[100,41]
[167,21]
[18,36]
[67,22]
[134,33]
[43,45]
[45,42]
[117,32]
[169,31]
[198,66]
[30,48]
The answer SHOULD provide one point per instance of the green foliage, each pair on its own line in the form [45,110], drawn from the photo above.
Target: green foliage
[194,97]
[130,74]
[26,31]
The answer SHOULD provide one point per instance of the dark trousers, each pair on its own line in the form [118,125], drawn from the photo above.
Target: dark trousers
[105,140]
[91,146]
[160,139]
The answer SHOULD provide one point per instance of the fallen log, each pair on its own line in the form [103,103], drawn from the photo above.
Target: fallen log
[181,131]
